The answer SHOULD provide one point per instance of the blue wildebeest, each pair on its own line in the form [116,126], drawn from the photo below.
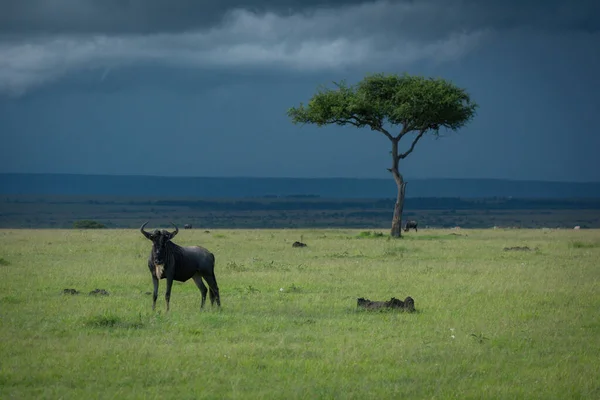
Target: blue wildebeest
[176,263]
[409,225]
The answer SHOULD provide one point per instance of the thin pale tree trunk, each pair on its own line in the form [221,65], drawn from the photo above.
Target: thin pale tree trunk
[399,206]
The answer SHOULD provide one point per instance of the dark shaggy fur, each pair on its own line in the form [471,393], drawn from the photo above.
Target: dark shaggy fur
[407,305]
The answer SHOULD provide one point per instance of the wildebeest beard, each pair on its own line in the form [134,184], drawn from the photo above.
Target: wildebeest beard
[160,268]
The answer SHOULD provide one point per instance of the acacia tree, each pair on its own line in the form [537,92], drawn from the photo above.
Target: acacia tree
[398,107]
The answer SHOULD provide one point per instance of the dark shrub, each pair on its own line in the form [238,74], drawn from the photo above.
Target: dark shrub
[87,224]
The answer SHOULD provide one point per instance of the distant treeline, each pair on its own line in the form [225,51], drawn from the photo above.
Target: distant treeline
[410,203]
[307,211]
[313,202]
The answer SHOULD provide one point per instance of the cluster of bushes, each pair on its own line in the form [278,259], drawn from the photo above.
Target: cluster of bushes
[87,224]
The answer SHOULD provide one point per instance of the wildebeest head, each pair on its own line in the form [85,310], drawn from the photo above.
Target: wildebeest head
[409,304]
[159,242]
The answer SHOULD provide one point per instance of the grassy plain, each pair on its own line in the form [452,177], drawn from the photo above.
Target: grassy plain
[490,324]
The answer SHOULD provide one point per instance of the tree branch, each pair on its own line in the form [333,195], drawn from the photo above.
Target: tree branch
[414,143]
[376,126]
[404,131]
[358,122]
[386,133]
[345,121]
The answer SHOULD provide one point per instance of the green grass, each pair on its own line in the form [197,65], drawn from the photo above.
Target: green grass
[490,323]
[584,245]
[371,234]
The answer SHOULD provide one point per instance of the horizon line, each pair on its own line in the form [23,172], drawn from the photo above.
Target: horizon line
[291,178]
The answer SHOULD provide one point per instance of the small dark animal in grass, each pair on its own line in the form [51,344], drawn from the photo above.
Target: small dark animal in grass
[517,248]
[187,226]
[175,263]
[411,225]
[298,244]
[70,291]
[407,305]
[98,292]
[365,303]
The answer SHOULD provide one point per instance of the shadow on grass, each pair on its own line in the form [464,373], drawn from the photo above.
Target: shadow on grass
[583,245]
[10,300]
[409,236]
[384,310]
[109,320]
[450,236]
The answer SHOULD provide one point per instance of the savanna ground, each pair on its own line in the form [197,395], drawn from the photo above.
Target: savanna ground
[491,323]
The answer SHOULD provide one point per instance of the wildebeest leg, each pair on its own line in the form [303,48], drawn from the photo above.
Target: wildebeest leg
[214,290]
[198,281]
[168,293]
[155,294]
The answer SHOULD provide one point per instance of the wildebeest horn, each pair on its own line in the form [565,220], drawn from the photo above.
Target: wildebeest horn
[175,231]
[143,231]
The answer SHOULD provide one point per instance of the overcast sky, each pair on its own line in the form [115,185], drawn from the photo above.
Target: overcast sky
[201,88]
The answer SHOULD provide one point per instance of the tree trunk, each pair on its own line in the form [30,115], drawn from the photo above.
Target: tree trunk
[399,206]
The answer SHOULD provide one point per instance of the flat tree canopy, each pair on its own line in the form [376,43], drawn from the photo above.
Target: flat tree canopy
[395,106]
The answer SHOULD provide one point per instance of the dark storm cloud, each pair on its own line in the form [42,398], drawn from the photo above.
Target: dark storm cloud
[44,40]
[154,16]
[136,16]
